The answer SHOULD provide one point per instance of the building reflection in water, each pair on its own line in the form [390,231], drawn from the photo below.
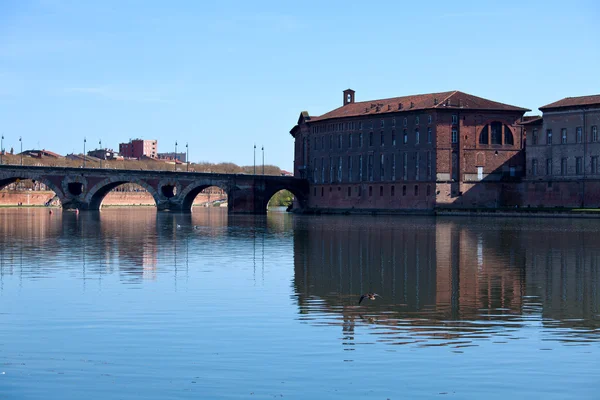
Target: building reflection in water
[450,280]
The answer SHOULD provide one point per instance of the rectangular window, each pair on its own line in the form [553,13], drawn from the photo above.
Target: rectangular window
[370,138]
[393,138]
[417,162]
[340,169]
[534,167]
[350,140]
[429,134]
[331,175]
[349,191]
[416,190]
[429,119]
[360,168]
[315,144]
[330,142]
[454,119]
[394,167]
[594,164]
[429,164]
[405,137]
[405,121]
[382,168]
[392,190]
[454,136]
[534,136]
[382,123]
[549,137]
[594,134]
[360,124]
[360,140]
[370,190]
[403,190]
[370,168]
[549,166]
[382,139]
[349,168]
[578,135]
[393,121]
[417,137]
[579,165]
[322,170]
[563,136]
[563,166]
[380,190]
[405,166]
[417,120]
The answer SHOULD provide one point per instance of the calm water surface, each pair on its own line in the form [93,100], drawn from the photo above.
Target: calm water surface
[131,304]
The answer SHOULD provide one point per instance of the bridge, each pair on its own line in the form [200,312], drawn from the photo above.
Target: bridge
[85,188]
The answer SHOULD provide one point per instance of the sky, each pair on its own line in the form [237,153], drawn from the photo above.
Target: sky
[225,75]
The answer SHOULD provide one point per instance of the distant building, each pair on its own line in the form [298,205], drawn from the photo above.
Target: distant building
[137,148]
[563,143]
[173,156]
[104,154]
[41,154]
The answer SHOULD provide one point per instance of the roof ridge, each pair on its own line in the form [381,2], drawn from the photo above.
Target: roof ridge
[447,98]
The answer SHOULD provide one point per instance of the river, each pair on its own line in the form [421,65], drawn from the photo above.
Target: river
[133,304]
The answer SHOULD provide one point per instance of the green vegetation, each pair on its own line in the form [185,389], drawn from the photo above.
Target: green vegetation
[283,198]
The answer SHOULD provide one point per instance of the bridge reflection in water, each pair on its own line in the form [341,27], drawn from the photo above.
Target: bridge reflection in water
[449,281]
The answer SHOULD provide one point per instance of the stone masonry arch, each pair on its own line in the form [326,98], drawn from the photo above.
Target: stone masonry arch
[93,198]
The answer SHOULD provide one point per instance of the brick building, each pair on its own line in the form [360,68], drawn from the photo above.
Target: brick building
[137,148]
[562,154]
[411,152]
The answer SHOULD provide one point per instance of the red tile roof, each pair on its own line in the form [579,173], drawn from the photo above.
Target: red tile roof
[573,102]
[531,120]
[443,100]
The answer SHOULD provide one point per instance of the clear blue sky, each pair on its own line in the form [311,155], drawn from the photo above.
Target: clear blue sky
[224,75]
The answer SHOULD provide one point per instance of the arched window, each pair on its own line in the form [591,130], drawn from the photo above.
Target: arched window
[496,132]
[508,136]
[492,134]
[484,135]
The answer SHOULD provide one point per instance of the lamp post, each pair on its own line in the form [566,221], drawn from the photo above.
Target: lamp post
[103,154]
[175,156]
[255,159]
[21,141]
[263,154]
[187,157]
[1,149]
[84,140]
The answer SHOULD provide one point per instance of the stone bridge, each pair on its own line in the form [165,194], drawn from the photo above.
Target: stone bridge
[85,188]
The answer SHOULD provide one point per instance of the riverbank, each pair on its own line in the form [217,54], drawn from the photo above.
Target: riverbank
[31,198]
[475,212]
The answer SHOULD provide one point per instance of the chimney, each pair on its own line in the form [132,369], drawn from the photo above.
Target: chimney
[348,96]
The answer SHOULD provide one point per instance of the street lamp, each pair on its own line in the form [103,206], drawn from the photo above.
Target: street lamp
[263,154]
[21,141]
[187,157]
[84,140]
[104,153]
[1,149]
[254,158]
[175,157]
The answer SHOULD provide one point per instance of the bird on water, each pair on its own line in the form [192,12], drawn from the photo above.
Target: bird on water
[370,296]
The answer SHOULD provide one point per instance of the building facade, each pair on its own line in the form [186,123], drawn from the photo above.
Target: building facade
[173,156]
[563,150]
[137,148]
[411,152]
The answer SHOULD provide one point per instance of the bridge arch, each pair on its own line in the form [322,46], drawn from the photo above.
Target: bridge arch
[191,191]
[98,192]
[299,195]
[5,181]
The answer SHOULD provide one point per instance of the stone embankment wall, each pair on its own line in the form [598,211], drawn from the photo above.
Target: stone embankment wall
[39,198]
